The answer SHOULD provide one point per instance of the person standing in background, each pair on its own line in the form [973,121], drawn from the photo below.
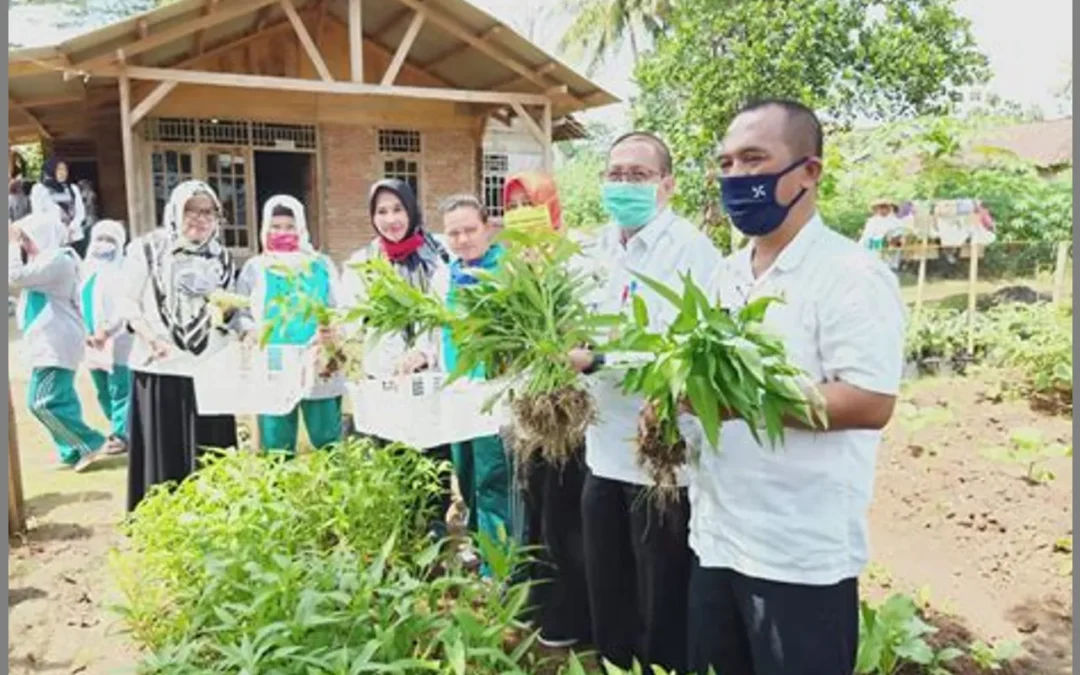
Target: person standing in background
[107,334]
[47,275]
[484,469]
[18,188]
[551,494]
[171,274]
[55,191]
[290,268]
[636,557]
[418,258]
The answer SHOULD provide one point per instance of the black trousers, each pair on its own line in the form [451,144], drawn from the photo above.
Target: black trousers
[749,626]
[553,531]
[167,433]
[637,563]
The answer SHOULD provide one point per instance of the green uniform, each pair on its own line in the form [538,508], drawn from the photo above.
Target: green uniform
[483,466]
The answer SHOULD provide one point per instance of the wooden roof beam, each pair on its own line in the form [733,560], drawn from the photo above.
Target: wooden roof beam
[451,26]
[152,99]
[29,115]
[200,37]
[407,41]
[356,41]
[305,40]
[463,47]
[154,40]
[51,102]
[517,80]
[321,87]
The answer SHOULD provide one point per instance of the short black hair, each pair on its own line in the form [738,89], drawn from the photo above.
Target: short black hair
[282,210]
[652,139]
[803,133]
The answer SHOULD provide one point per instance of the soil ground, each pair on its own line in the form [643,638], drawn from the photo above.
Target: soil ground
[963,532]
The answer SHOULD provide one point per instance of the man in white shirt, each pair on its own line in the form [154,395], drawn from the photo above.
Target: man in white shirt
[780,535]
[636,554]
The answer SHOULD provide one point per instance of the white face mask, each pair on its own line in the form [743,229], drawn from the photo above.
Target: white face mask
[106,251]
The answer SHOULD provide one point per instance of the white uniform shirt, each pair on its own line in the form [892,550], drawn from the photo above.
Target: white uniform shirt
[48,308]
[798,513]
[662,250]
[382,355]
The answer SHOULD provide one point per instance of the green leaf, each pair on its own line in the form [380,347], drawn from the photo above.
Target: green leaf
[641,312]
[703,400]
[660,289]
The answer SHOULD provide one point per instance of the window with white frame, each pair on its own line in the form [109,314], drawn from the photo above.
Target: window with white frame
[400,150]
[496,167]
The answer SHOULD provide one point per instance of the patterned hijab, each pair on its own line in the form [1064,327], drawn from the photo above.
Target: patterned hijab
[186,272]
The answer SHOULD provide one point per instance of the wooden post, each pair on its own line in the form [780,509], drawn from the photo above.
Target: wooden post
[356,41]
[130,184]
[973,281]
[1059,271]
[16,511]
[922,271]
[549,160]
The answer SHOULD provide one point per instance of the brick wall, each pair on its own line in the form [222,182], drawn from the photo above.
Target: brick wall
[351,162]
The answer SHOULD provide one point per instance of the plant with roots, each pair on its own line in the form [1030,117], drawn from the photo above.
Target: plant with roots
[713,363]
[516,324]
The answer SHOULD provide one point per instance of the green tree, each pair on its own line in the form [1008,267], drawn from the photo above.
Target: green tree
[600,26]
[848,59]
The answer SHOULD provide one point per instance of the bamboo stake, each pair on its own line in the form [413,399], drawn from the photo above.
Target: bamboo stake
[973,279]
[16,510]
[922,271]
[1059,271]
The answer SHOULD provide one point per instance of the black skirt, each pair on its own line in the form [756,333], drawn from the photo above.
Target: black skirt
[167,434]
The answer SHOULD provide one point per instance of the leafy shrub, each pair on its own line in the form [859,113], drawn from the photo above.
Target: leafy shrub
[244,530]
[892,634]
[1036,340]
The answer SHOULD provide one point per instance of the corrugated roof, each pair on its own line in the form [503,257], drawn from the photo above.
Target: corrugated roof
[1045,143]
[37,74]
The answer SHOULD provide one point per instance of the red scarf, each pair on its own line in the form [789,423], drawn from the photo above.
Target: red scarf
[398,251]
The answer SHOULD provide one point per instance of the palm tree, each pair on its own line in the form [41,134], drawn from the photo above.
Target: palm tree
[600,26]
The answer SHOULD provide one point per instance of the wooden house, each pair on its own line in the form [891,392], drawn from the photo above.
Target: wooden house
[316,98]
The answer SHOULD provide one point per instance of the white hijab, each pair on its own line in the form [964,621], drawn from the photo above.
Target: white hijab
[306,250]
[44,229]
[106,249]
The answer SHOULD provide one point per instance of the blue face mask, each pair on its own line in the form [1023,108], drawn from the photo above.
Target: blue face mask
[630,205]
[751,203]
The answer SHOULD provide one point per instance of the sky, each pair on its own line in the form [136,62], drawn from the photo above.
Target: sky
[1028,42]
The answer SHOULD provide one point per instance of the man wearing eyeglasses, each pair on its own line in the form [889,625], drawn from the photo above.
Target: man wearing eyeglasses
[636,557]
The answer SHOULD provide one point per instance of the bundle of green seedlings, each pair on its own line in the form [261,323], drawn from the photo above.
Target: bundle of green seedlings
[714,363]
[334,356]
[517,324]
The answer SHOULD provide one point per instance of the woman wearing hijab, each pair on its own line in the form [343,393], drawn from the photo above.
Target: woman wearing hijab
[551,495]
[400,239]
[482,465]
[18,188]
[289,268]
[56,192]
[47,275]
[103,285]
[171,273]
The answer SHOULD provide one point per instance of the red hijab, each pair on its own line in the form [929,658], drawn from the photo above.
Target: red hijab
[541,190]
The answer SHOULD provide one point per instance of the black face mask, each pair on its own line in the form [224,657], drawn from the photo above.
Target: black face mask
[751,203]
